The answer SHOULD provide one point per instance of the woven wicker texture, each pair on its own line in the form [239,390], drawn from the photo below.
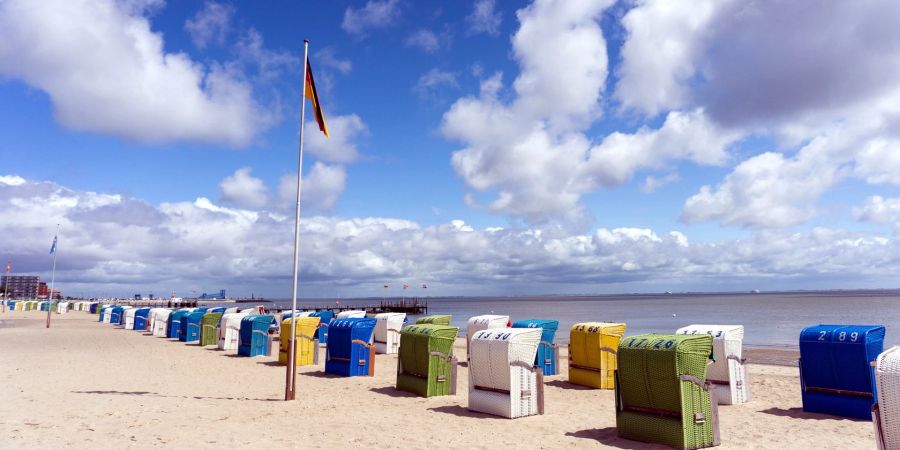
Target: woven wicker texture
[653,402]
[547,354]
[230,329]
[305,346]
[887,376]
[190,326]
[209,328]
[835,373]
[419,370]
[159,321]
[728,372]
[436,319]
[387,332]
[502,379]
[483,322]
[345,354]
[254,335]
[592,357]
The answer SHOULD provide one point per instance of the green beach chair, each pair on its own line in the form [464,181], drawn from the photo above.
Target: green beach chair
[662,395]
[425,363]
[436,319]
[209,329]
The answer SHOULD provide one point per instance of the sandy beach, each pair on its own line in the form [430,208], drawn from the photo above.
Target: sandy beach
[85,384]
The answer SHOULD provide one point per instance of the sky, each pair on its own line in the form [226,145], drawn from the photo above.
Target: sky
[476,147]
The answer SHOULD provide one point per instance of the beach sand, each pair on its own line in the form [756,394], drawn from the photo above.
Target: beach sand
[85,384]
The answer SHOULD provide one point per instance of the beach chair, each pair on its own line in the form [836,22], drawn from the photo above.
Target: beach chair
[105,314]
[160,322]
[425,362]
[548,352]
[42,306]
[728,372]
[128,318]
[836,376]
[190,326]
[173,326]
[435,319]
[502,378]
[94,308]
[230,330]
[355,313]
[115,317]
[62,307]
[484,322]
[350,351]
[325,318]
[306,349]
[592,353]
[233,309]
[886,413]
[141,316]
[209,328]
[662,395]
[387,332]
[255,335]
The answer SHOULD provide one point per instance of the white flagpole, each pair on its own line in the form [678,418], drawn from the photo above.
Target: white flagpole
[53,276]
[291,381]
[6,287]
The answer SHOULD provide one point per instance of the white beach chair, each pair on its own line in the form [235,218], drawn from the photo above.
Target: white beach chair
[485,322]
[129,318]
[230,330]
[387,332]
[352,314]
[502,378]
[728,373]
[154,315]
[886,413]
[62,307]
[107,313]
[233,309]
[161,322]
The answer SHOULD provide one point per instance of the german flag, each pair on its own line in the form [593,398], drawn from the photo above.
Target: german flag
[313,97]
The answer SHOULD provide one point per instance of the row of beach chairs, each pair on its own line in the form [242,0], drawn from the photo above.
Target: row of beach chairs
[668,387]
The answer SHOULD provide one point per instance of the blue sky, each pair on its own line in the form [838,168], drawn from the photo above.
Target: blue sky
[481,147]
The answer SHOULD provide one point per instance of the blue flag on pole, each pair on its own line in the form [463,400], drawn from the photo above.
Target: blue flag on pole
[53,247]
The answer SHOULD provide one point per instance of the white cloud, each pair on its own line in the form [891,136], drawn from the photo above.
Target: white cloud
[484,19]
[878,209]
[106,71]
[425,40]
[244,190]
[327,57]
[432,82]
[652,183]
[11,180]
[341,144]
[267,64]
[210,24]
[322,187]
[376,14]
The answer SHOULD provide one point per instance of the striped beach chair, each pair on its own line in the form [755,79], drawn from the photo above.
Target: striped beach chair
[662,395]
[728,372]
[592,353]
[502,378]
[425,362]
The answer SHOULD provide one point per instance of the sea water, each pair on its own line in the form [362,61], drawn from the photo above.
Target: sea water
[769,319]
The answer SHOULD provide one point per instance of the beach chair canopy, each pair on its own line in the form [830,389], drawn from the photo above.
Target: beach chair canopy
[436,319]
[662,395]
[836,376]
[357,313]
[105,314]
[547,352]
[426,365]
[141,316]
[592,353]
[502,378]
[306,349]
[255,337]
[728,372]
[484,322]
[887,413]
[233,309]
[325,318]
[190,326]
[350,351]
[173,329]
[115,317]
[159,319]
[129,318]
[230,330]
[387,332]
[209,327]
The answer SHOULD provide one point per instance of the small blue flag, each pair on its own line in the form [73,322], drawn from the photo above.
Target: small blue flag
[53,247]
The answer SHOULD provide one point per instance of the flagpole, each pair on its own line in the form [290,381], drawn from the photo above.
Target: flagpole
[291,376]
[53,276]
[6,287]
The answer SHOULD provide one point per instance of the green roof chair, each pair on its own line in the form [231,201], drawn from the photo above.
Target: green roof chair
[436,319]
[425,363]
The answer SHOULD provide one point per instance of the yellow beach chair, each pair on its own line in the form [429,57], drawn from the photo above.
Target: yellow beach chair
[592,353]
[306,346]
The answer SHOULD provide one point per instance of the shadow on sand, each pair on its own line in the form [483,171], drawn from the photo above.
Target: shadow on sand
[392,392]
[156,394]
[460,411]
[609,437]
[798,413]
[566,385]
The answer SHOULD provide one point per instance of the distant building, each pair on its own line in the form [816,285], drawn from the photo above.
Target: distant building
[43,290]
[20,286]
[219,296]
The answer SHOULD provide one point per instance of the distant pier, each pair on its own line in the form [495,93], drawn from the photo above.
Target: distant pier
[408,306]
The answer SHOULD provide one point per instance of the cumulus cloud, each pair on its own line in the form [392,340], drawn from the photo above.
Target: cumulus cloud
[322,187]
[484,19]
[120,245]
[327,57]
[210,24]
[341,144]
[878,209]
[376,14]
[106,71]
[266,63]
[244,190]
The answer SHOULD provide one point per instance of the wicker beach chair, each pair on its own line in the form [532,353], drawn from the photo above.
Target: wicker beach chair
[160,321]
[886,413]
[105,313]
[325,317]
[209,328]
[62,307]
[548,352]
[190,326]
[592,353]
[387,332]
[728,373]
[350,351]
[230,330]
[173,326]
[483,322]
[435,319]
[141,316]
[502,378]
[128,318]
[306,348]
[836,376]
[662,395]
[425,362]
[355,313]
[256,338]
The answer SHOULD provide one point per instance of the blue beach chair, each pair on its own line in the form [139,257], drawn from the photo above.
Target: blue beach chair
[173,327]
[350,351]
[547,352]
[255,335]
[190,326]
[140,319]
